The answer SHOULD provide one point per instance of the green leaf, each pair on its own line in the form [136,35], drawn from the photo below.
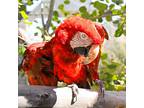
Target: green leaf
[36,34]
[55,13]
[111,7]
[109,18]
[61,7]
[99,5]
[66,13]
[100,20]
[66,1]
[119,32]
[116,22]
[27,22]
[21,50]
[85,15]
[82,1]
[107,1]
[21,73]
[112,66]
[55,16]
[94,13]
[124,32]
[101,12]
[82,9]
[24,15]
[123,8]
[118,2]
[58,21]
[104,56]
[116,12]
[29,2]
[114,77]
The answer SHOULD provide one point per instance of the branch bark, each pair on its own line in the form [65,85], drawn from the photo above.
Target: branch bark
[50,97]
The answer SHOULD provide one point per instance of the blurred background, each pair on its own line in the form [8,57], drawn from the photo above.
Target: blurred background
[38,19]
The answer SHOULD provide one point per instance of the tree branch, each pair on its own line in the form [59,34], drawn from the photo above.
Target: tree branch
[42,16]
[50,97]
[50,15]
[108,13]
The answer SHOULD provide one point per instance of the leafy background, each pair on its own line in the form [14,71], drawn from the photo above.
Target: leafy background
[112,67]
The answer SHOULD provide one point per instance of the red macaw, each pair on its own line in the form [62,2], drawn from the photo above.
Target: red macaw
[72,56]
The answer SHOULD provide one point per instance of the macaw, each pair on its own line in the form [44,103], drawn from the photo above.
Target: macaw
[72,56]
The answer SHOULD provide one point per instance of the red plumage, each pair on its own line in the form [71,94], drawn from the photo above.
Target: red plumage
[46,63]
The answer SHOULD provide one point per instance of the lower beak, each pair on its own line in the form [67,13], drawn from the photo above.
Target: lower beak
[93,53]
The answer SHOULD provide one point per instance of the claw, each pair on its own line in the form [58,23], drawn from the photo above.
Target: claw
[101,88]
[75,92]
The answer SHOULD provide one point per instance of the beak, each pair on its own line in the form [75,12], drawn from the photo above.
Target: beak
[92,55]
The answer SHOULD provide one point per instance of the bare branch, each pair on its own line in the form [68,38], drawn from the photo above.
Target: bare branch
[50,15]
[108,13]
[42,16]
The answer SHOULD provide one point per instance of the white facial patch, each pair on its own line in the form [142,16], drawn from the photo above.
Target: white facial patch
[93,53]
[80,39]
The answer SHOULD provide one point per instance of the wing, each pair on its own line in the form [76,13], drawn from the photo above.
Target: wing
[38,65]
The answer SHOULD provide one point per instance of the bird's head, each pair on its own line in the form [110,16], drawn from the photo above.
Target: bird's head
[83,36]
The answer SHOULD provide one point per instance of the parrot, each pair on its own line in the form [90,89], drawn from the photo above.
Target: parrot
[71,56]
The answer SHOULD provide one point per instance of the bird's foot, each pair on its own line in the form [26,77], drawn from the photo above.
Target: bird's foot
[101,88]
[75,92]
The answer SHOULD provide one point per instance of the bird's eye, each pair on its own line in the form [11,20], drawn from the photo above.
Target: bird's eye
[83,36]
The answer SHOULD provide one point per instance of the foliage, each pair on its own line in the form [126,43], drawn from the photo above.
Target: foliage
[22,11]
[112,70]
[113,11]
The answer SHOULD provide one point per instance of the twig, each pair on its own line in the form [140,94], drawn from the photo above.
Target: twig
[50,14]
[42,16]
[108,13]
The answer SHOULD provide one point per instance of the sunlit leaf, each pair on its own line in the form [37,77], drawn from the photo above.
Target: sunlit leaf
[111,7]
[114,77]
[29,2]
[116,12]
[24,15]
[61,7]
[99,5]
[27,22]
[107,1]
[123,8]
[66,1]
